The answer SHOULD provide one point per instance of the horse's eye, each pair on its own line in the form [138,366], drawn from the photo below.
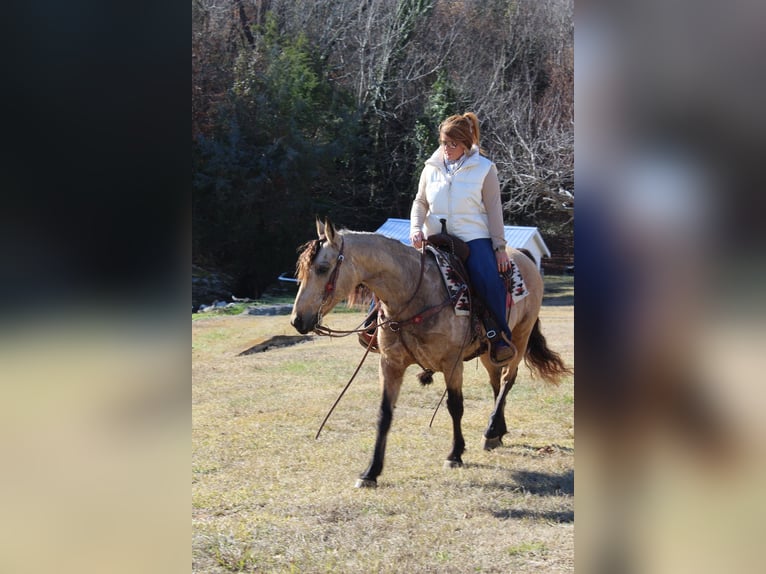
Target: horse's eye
[322,269]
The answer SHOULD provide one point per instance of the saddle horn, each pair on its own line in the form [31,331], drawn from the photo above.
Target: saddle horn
[449,243]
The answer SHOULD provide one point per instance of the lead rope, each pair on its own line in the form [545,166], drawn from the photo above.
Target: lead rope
[343,392]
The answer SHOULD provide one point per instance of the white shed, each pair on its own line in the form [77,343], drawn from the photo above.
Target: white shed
[528,238]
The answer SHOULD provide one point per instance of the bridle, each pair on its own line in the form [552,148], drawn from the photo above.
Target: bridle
[329,288]
[394,325]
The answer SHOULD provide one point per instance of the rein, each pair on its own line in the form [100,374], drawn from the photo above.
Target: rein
[343,392]
[392,324]
[330,288]
[418,318]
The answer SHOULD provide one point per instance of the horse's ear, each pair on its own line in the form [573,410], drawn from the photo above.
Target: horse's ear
[320,228]
[329,230]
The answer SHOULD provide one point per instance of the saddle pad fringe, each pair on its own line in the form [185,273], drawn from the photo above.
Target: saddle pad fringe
[515,282]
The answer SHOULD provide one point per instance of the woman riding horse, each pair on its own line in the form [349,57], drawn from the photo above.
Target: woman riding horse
[419,325]
[460,185]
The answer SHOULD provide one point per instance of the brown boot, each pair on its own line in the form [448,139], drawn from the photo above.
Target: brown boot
[503,352]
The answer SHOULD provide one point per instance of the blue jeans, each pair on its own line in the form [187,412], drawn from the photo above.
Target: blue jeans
[482,268]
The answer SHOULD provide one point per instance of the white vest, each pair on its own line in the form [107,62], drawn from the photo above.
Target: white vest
[456,198]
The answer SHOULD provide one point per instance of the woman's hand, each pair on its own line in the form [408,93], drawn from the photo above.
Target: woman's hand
[503,261]
[417,239]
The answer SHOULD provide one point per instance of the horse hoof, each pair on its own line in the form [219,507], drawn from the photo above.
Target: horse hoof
[453,464]
[492,443]
[366,483]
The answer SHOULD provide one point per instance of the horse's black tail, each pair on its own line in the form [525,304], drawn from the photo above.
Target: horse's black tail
[542,361]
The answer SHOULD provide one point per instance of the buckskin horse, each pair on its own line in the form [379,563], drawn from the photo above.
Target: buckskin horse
[420,325]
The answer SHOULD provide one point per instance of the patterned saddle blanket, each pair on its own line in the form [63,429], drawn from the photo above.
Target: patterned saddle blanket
[517,290]
[453,281]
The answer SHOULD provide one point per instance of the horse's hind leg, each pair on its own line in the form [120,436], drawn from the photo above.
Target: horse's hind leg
[496,427]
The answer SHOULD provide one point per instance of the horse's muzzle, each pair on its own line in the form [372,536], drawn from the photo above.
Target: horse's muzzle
[303,324]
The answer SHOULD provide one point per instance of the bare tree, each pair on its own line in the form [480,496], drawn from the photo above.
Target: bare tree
[398,67]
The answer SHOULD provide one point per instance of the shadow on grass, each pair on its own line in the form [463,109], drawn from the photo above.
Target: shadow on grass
[545,484]
[564,516]
[540,484]
[537,483]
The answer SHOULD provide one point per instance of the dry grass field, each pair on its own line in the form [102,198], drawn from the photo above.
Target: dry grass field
[268,497]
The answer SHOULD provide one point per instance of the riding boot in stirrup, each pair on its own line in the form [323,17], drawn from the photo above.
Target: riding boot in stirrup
[502,350]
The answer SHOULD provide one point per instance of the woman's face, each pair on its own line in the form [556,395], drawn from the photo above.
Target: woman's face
[452,149]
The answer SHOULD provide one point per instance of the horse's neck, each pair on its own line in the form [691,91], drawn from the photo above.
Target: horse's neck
[388,270]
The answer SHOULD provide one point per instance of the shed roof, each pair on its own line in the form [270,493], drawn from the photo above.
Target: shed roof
[516,236]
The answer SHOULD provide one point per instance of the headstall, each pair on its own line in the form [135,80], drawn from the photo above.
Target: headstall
[329,287]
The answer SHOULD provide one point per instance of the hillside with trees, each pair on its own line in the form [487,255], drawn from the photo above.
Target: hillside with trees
[329,107]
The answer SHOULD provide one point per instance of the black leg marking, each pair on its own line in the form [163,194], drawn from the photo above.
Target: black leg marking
[385,416]
[496,427]
[455,408]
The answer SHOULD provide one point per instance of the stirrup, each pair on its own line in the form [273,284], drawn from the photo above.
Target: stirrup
[365,337]
[504,362]
[370,332]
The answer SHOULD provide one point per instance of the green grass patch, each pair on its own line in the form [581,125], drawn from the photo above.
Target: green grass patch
[235,309]
[528,548]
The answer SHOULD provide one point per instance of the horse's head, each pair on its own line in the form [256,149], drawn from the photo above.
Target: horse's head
[322,282]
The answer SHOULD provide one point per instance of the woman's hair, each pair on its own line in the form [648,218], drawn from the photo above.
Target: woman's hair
[462,128]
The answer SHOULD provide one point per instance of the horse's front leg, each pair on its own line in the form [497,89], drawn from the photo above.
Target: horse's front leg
[391,380]
[455,408]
